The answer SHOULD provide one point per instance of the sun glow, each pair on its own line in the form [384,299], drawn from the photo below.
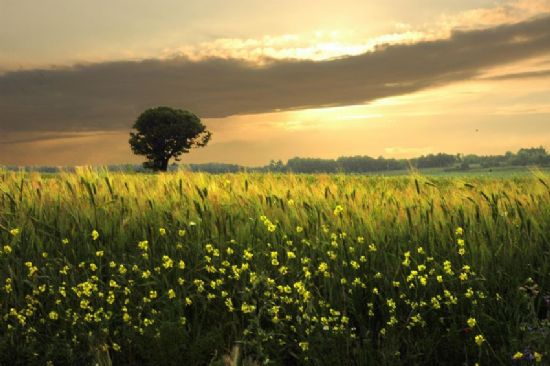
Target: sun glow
[317,46]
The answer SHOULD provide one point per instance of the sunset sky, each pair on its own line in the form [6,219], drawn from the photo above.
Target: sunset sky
[274,79]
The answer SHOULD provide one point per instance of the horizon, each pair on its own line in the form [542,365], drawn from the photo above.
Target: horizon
[357,78]
[266,164]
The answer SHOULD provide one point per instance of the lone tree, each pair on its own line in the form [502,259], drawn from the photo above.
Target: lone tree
[164,133]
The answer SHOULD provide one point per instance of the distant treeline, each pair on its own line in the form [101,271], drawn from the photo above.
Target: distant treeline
[537,156]
[364,164]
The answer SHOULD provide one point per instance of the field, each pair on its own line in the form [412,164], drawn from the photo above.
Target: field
[252,269]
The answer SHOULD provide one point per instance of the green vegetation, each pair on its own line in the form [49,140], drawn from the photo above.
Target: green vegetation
[447,162]
[429,164]
[432,164]
[163,133]
[197,269]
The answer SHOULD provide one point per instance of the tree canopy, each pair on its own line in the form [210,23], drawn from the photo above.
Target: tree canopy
[163,133]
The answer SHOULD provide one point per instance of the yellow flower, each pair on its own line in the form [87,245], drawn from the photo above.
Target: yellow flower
[111,297]
[229,305]
[116,347]
[181,264]
[299,229]
[53,315]
[167,262]
[65,241]
[7,249]
[171,294]
[407,261]
[162,231]
[246,308]
[181,232]
[538,357]
[479,339]
[459,231]
[338,210]
[14,232]
[95,235]
[517,356]
[447,267]
[99,253]
[32,269]
[304,346]
[7,286]
[275,262]
[471,322]
[248,255]
[143,245]
[152,294]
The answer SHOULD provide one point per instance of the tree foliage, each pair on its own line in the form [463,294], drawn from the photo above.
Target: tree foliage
[163,133]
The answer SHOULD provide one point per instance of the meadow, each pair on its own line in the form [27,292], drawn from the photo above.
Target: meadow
[273,269]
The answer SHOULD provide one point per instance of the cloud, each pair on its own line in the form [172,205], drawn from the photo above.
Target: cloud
[502,12]
[318,46]
[521,75]
[108,96]
[25,137]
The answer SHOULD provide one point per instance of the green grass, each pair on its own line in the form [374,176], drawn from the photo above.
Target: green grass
[285,269]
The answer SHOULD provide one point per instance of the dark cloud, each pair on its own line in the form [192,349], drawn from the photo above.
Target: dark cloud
[108,96]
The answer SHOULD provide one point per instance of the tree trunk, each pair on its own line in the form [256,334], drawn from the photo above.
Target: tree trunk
[164,165]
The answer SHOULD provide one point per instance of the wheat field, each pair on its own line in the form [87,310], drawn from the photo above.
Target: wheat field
[249,269]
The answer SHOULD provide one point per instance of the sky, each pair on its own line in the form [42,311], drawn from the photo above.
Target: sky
[274,79]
